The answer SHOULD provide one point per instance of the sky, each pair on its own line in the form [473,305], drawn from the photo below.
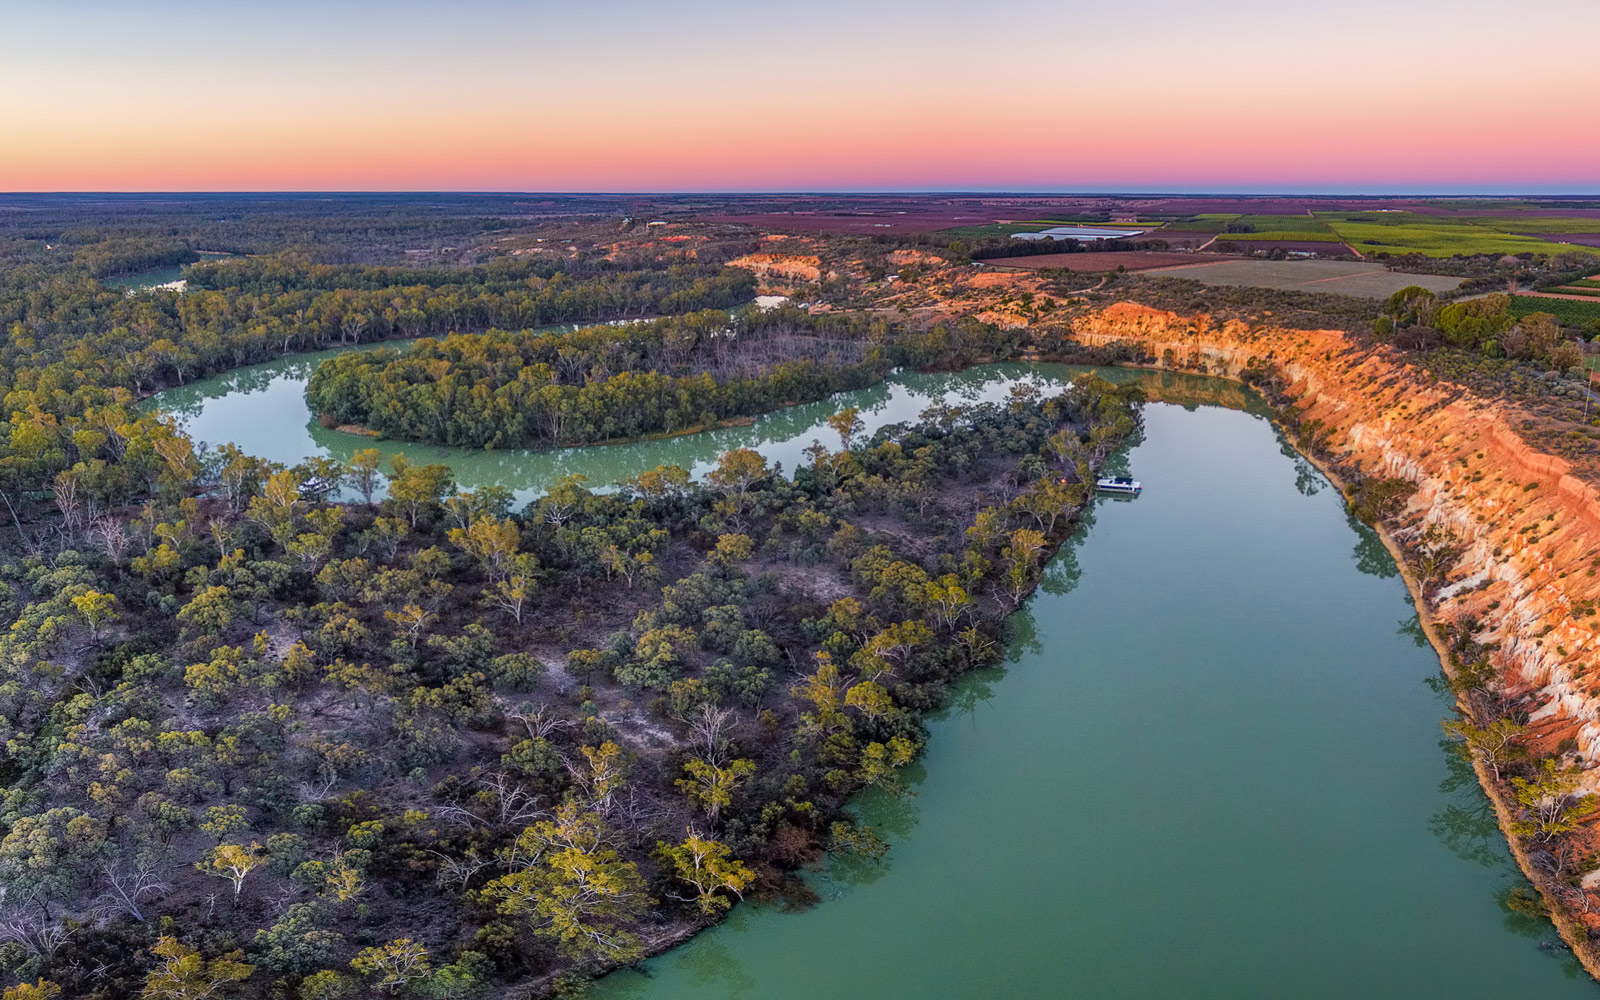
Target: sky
[1391,96]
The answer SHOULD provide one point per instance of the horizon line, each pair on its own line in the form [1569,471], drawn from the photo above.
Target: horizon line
[881,192]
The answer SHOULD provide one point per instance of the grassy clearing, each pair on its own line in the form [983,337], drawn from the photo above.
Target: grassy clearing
[1568,311]
[1408,232]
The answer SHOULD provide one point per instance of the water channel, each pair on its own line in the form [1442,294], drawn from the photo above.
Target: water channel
[1211,766]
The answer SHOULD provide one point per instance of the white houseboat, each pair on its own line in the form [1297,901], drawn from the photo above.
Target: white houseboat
[1118,484]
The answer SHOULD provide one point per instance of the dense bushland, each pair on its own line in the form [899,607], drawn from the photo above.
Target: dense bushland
[429,746]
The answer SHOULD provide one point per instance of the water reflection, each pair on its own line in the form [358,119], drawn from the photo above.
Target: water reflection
[1466,825]
[974,690]
[1372,556]
[1411,628]
[713,964]
[1022,635]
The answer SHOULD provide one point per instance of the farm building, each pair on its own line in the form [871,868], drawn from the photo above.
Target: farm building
[1079,233]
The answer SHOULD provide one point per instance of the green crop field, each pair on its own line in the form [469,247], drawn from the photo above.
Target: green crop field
[1284,223]
[1298,236]
[1541,224]
[1568,311]
[1204,223]
[1408,232]
[1576,290]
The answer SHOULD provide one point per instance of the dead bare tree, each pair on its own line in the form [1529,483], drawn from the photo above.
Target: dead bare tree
[129,880]
[539,724]
[708,730]
[36,933]
[111,537]
[458,871]
[512,803]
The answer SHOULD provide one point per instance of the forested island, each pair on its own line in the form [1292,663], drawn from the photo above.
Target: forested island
[670,375]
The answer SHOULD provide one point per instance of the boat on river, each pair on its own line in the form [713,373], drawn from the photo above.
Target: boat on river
[1119,484]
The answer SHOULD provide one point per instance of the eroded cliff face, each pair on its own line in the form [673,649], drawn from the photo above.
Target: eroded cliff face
[1529,531]
[775,271]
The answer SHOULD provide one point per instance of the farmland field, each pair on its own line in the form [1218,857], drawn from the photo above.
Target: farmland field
[1538,224]
[1337,277]
[1207,223]
[1011,228]
[1431,236]
[1569,311]
[1287,224]
[1290,241]
[1132,260]
[1319,235]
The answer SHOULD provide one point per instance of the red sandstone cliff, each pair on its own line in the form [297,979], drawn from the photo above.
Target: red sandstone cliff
[1529,529]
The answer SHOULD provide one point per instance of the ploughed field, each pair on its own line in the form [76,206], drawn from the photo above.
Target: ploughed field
[1358,278]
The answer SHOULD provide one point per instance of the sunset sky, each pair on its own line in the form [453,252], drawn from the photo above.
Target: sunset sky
[618,95]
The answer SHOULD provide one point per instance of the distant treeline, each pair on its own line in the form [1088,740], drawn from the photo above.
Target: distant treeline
[147,341]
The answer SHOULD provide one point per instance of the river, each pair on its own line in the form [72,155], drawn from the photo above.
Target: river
[1211,766]
[262,409]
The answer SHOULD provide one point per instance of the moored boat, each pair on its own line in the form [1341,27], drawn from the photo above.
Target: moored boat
[1119,484]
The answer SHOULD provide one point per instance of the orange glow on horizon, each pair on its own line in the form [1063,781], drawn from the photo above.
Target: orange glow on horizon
[690,98]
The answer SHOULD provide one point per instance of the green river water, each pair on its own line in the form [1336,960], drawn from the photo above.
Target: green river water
[1211,766]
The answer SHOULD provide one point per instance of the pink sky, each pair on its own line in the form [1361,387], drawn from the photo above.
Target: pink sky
[620,95]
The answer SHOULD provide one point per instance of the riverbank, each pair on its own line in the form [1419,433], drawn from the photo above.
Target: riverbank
[1206,705]
[1528,529]
[1572,932]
